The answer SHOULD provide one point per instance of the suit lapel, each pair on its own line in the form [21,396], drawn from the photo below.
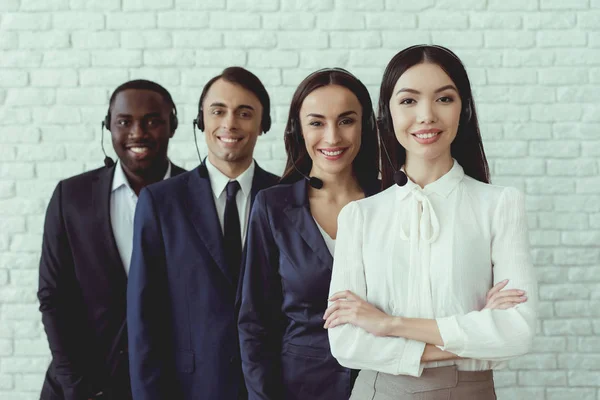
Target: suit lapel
[101,202]
[298,212]
[203,214]
[101,193]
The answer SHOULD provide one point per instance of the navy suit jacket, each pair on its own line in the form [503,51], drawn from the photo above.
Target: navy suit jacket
[82,287]
[284,347]
[181,297]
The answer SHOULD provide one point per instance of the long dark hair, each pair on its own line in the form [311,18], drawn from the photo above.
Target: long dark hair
[467,147]
[366,162]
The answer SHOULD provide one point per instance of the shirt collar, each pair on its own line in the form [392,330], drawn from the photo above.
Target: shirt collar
[219,180]
[443,186]
[119,179]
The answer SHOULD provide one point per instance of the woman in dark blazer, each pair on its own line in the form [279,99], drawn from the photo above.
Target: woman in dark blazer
[331,145]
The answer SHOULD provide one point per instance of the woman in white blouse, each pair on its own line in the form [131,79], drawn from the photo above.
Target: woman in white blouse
[413,264]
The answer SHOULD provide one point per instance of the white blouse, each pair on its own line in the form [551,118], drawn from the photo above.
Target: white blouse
[434,253]
[329,242]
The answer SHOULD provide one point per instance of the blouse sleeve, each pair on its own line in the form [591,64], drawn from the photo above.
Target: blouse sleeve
[352,346]
[499,335]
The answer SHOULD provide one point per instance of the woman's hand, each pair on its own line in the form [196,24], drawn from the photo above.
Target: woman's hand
[348,308]
[498,299]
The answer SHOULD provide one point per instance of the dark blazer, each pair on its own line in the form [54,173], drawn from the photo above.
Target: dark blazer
[284,347]
[82,289]
[181,297]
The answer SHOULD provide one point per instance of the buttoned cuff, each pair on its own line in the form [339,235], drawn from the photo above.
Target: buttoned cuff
[452,335]
[410,362]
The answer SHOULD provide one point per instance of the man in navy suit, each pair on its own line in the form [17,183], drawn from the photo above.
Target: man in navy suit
[185,267]
[87,246]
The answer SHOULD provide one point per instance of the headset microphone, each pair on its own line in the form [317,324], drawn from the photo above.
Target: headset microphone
[399,176]
[313,181]
[108,162]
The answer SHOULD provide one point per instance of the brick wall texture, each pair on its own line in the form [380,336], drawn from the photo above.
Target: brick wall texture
[534,65]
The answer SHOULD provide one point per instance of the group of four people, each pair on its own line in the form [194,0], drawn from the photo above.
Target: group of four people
[383,248]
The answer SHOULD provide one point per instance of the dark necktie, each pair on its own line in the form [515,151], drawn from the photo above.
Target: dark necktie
[232,232]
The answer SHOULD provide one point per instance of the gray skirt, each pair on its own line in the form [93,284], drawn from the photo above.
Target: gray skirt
[443,383]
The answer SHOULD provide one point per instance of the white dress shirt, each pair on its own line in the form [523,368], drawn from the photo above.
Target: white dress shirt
[434,253]
[218,183]
[122,210]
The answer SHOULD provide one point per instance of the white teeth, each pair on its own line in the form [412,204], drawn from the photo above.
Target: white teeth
[139,150]
[426,135]
[332,153]
[230,140]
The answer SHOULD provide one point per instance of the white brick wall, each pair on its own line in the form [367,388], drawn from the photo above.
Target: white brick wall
[535,66]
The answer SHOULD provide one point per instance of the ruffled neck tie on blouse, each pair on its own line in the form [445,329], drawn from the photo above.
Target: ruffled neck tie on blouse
[420,218]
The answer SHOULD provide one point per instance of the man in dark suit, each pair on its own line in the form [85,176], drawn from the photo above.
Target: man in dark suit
[87,247]
[188,235]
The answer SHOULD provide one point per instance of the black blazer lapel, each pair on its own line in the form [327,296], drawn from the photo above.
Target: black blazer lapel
[101,192]
[298,212]
[203,214]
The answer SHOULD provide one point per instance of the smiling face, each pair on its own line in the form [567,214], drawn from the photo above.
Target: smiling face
[232,118]
[140,130]
[331,122]
[425,108]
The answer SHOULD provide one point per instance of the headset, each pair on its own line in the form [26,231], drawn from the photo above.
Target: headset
[295,130]
[198,122]
[173,123]
[265,121]
[385,120]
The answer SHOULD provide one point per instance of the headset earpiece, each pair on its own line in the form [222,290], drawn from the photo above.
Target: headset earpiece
[108,162]
[372,121]
[467,112]
[265,122]
[380,125]
[173,121]
[199,121]
[384,125]
[295,131]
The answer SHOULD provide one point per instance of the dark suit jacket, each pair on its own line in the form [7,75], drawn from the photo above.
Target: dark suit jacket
[181,296]
[82,289]
[284,347]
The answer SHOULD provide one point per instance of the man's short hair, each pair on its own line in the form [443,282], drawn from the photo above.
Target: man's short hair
[247,80]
